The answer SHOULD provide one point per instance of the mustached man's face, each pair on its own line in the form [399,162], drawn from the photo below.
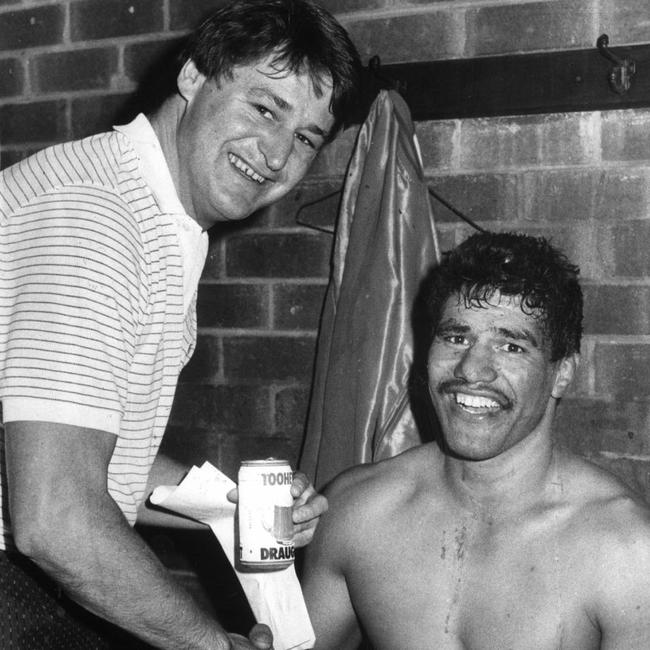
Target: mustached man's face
[491,378]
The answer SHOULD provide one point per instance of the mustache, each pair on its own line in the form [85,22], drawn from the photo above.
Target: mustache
[454,385]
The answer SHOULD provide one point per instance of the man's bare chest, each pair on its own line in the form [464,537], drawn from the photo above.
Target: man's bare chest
[466,587]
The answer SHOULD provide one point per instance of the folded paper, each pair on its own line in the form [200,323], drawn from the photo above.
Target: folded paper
[275,597]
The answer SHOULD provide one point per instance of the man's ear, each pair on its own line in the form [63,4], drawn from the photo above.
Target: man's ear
[566,371]
[189,80]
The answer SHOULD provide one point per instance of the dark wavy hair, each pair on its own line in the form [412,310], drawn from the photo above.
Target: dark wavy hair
[302,35]
[515,265]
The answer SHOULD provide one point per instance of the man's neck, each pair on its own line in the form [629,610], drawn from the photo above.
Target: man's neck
[164,122]
[508,483]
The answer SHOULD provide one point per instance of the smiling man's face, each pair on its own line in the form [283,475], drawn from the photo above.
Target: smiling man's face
[243,143]
[490,376]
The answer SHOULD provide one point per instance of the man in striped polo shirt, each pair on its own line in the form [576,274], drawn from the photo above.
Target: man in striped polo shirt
[102,244]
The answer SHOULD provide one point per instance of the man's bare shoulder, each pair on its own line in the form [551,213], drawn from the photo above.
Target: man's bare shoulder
[366,495]
[609,518]
[597,493]
[610,531]
[592,486]
[397,476]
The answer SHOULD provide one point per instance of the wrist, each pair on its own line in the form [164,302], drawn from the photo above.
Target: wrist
[214,637]
[222,643]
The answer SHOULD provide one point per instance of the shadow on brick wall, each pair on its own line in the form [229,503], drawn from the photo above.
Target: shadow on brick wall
[156,81]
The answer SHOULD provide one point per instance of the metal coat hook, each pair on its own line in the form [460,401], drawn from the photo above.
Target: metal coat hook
[374,66]
[620,76]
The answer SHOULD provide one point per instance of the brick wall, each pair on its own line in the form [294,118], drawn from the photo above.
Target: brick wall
[71,67]
[580,178]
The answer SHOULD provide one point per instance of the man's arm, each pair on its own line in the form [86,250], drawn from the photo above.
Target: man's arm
[165,471]
[65,520]
[324,584]
[622,589]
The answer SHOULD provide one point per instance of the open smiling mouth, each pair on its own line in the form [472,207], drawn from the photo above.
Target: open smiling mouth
[245,169]
[476,404]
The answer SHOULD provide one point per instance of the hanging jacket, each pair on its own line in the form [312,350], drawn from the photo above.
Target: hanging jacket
[362,406]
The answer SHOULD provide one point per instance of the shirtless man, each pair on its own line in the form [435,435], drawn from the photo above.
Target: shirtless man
[495,538]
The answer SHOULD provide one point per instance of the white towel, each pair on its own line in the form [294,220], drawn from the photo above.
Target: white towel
[275,596]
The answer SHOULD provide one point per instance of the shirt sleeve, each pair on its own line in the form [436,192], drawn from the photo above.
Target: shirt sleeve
[74,281]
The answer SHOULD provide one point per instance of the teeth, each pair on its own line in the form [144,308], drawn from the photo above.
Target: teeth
[474,401]
[239,163]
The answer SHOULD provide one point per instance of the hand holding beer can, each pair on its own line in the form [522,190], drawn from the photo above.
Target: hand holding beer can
[265,515]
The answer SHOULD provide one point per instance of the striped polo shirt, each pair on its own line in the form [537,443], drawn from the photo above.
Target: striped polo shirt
[99,265]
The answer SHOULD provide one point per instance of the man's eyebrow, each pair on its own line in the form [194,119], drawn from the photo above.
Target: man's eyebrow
[280,102]
[316,130]
[450,324]
[519,335]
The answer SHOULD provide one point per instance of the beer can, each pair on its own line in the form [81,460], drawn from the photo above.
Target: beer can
[264,518]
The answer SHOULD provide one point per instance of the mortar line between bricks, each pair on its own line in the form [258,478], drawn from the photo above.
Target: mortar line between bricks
[452,6]
[246,333]
[619,339]
[642,165]
[613,455]
[245,281]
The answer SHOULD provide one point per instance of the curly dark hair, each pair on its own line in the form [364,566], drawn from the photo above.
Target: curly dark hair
[513,264]
[303,36]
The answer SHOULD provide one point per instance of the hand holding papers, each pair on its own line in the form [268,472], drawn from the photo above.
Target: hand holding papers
[275,597]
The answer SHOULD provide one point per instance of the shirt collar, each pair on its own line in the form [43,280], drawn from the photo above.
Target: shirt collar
[153,165]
